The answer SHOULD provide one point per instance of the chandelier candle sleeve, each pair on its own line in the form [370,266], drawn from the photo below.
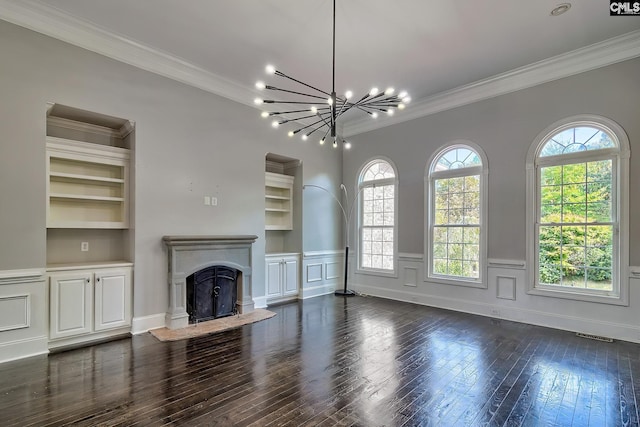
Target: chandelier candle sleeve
[323,108]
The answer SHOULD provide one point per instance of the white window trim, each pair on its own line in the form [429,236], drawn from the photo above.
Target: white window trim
[483,171]
[359,186]
[621,156]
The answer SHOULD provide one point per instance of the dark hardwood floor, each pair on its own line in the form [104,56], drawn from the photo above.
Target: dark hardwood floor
[335,361]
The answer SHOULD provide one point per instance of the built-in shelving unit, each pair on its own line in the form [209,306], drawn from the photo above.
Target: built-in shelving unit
[89,241]
[278,201]
[87,185]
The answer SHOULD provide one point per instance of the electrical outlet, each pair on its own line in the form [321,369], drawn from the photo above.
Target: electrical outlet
[84,246]
[214,201]
[207,200]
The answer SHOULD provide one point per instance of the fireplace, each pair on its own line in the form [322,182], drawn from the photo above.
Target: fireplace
[187,255]
[212,293]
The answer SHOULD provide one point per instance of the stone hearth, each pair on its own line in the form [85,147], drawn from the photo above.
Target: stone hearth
[188,254]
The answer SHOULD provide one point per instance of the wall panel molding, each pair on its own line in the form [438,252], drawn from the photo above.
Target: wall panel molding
[21,276]
[15,312]
[314,272]
[506,263]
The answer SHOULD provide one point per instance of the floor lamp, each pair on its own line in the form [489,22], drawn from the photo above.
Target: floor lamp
[347,218]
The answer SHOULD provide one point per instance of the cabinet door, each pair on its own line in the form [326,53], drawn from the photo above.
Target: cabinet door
[274,275]
[112,298]
[290,276]
[71,304]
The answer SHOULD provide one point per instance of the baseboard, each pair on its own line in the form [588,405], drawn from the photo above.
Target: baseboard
[260,302]
[316,291]
[534,317]
[140,325]
[20,349]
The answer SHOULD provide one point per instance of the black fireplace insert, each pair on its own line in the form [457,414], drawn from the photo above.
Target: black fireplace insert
[212,293]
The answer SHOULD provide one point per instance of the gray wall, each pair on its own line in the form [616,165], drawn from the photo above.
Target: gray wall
[188,144]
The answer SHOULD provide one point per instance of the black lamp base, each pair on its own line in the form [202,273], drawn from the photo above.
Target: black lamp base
[344,293]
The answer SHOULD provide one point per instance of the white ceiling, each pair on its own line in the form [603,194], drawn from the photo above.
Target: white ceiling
[424,46]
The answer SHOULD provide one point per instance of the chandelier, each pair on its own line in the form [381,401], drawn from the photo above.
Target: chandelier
[312,110]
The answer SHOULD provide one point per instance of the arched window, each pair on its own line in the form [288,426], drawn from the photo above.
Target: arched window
[377,243]
[455,215]
[578,231]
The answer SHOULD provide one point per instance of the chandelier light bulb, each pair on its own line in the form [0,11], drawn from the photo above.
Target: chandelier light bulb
[258,101]
[290,134]
[402,94]
[401,106]
[260,85]
[270,69]
[389,91]
[390,112]
[275,123]
[374,91]
[406,99]
[330,101]
[335,143]
[347,145]
[304,137]
[374,115]
[314,110]
[322,141]
[264,114]
[348,94]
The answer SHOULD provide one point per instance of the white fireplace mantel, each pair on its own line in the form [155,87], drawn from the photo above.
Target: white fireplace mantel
[188,254]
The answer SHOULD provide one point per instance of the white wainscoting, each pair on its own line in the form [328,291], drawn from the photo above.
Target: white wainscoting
[322,273]
[23,314]
[505,297]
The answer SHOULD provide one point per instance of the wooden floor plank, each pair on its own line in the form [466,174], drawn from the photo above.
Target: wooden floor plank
[334,361]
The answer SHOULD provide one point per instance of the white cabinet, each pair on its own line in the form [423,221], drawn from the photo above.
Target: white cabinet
[282,276]
[90,302]
[87,185]
[278,201]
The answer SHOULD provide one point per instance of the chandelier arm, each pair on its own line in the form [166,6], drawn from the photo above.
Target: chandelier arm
[270,101]
[294,119]
[326,133]
[314,130]
[277,113]
[294,92]
[278,73]
[307,126]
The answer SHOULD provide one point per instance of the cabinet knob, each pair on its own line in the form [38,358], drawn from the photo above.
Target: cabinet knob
[97,279]
[88,280]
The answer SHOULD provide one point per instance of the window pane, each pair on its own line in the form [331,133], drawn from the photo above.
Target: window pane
[378,170]
[440,234]
[439,250]
[472,235]
[551,175]
[457,158]
[576,139]
[550,213]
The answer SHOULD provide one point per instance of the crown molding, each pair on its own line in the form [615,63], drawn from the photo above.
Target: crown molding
[588,58]
[54,23]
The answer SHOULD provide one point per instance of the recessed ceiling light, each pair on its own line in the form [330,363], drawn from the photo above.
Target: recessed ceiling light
[560,9]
